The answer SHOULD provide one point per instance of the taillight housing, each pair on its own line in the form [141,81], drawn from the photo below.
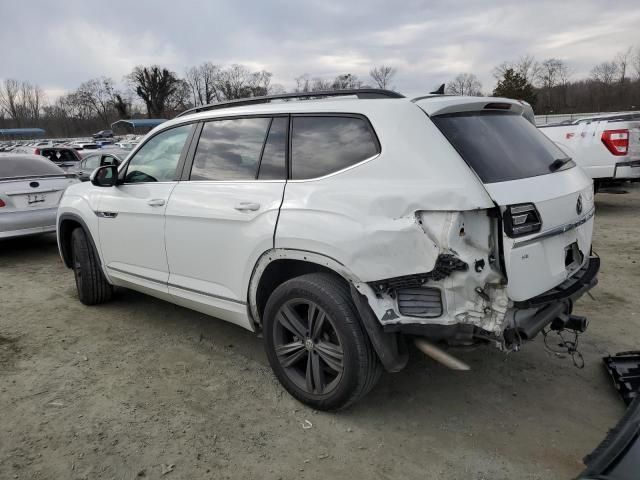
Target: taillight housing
[522,219]
[37,151]
[616,141]
[2,204]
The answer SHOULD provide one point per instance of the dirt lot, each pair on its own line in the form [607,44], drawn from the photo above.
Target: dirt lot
[131,388]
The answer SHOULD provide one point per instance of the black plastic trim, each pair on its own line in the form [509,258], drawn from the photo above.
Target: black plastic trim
[65,250]
[361,93]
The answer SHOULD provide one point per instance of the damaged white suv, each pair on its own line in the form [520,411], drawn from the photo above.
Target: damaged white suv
[341,226]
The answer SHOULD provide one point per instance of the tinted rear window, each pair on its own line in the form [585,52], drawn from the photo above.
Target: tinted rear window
[499,146]
[27,166]
[323,145]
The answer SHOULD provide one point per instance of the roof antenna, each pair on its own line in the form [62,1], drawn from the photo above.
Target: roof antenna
[439,91]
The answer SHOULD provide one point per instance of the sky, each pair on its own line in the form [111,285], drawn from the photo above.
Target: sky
[60,44]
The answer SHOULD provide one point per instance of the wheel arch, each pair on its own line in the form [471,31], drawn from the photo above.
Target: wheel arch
[278,265]
[67,223]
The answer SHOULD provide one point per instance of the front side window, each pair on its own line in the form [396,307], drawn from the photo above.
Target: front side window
[92,162]
[323,145]
[157,160]
[109,160]
[230,149]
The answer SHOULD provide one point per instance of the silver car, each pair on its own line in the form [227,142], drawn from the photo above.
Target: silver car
[30,190]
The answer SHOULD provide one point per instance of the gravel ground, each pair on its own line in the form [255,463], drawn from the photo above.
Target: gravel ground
[139,388]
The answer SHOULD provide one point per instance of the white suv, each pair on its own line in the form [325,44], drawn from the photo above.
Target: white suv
[339,227]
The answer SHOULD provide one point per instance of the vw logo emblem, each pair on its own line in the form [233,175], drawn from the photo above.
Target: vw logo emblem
[579,205]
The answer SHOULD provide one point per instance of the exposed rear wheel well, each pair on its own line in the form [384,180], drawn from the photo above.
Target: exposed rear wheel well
[279,271]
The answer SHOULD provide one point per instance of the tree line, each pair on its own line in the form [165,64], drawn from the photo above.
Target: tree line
[157,92]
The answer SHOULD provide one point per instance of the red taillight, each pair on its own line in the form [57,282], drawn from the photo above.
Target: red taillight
[37,152]
[2,204]
[616,141]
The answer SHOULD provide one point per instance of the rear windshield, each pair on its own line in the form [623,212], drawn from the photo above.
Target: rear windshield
[500,146]
[27,166]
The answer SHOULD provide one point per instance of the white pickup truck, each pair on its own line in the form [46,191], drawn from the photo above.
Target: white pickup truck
[607,147]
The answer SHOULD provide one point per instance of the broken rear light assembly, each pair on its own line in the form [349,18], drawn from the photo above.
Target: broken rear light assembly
[521,219]
[616,141]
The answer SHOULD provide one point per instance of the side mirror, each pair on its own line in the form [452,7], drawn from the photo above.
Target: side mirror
[105,176]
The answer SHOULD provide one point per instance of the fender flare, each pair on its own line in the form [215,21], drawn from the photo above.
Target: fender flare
[65,252]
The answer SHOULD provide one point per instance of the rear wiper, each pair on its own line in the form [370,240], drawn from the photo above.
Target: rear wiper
[558,163]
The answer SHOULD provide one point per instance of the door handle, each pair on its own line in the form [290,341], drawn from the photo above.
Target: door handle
[156,202]
[247,206]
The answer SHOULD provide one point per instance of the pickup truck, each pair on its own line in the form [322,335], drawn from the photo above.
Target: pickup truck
[607,147]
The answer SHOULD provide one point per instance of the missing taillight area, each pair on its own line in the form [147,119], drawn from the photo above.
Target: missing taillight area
[522,219]
[616,141]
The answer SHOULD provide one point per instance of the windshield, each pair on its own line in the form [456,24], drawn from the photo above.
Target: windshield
[501,146]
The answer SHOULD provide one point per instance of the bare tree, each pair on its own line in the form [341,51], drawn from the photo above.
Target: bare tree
[635,62]
[154,85]
[21,101]
[465,84]
[622,61]
[10,98]
[306,84]
[346,81]
[551,73]
[382,75]
[122,104]
[526,66]
[97,95]
[237,81]
[202,81]
[605,73]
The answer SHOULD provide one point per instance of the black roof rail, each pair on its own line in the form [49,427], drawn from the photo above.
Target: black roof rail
[361,93]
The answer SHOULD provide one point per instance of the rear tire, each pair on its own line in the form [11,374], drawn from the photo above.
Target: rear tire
[91,283]
[315,342]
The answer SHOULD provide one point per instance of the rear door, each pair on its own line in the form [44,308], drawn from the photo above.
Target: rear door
[221,217]
[131,215]
[546,202]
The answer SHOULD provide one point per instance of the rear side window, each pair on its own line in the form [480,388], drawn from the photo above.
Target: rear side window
[230,149]
[326,144]
[499,146]
[273,164]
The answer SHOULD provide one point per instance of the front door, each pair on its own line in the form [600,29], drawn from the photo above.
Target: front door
[131,215]
[223,215]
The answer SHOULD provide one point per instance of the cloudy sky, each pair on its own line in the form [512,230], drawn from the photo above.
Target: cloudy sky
[60,44]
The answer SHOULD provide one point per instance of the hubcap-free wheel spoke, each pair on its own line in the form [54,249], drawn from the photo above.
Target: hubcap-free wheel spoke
[307,346]
[290,353]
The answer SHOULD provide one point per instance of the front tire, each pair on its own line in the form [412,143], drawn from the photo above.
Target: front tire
[316,344]
[91,283]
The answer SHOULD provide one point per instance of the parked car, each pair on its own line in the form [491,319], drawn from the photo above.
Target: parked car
[607,147]
[65,158]
[30,190]
[341,228]
[103,134]
[85,145]
[93,160]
